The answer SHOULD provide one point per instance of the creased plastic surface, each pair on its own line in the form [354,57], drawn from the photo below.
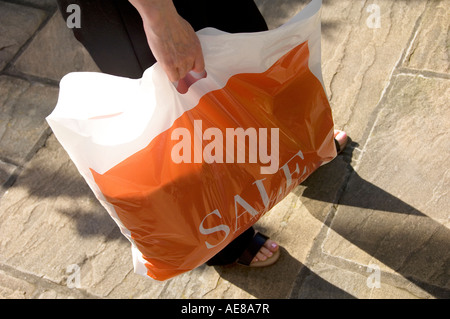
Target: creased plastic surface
[178,215]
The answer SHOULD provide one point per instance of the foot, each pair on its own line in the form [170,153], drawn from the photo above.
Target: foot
[268,250]
[260,252]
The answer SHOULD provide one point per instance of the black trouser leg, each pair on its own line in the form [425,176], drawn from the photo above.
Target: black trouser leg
[233,250]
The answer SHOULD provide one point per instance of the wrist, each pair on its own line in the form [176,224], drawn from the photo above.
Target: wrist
[154,13]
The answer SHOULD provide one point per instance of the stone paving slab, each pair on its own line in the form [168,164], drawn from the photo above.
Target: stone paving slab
[24,107]
[14,288]
[45,4]
[54,52]
[18,285]
[335,282]
[430,49]
[394,212]
[6,172]
[358,58]
[46,215]
[17,25]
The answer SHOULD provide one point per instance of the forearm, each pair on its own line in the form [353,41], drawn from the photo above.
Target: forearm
[155,12]
[171,38]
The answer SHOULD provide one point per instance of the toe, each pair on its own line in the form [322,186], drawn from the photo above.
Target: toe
[341,137]
[271,245]
[266,251]
[261,256]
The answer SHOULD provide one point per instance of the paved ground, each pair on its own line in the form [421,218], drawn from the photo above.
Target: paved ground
[374,223]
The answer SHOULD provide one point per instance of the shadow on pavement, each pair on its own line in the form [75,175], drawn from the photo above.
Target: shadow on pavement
[277,281]
[401,237]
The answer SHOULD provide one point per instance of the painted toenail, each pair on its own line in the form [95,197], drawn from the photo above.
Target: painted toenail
[274,245]
[342,135]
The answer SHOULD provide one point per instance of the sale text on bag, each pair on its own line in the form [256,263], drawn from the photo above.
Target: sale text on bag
[291,177]
[235,139]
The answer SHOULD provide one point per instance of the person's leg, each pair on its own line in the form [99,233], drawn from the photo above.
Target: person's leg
[233,16]
[118,48]
[233,250]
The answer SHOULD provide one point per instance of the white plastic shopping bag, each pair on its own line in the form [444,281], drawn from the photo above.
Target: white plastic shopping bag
[184,174]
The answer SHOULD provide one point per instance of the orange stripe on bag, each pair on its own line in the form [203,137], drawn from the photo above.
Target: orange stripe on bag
[182,214]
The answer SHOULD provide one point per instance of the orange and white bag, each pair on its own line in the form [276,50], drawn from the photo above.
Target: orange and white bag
[184,174]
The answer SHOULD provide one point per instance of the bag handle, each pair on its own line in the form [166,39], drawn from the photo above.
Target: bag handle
[185,83]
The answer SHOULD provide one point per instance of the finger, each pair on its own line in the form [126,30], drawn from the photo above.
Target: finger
[184,69]
[199,64]
[172,73]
